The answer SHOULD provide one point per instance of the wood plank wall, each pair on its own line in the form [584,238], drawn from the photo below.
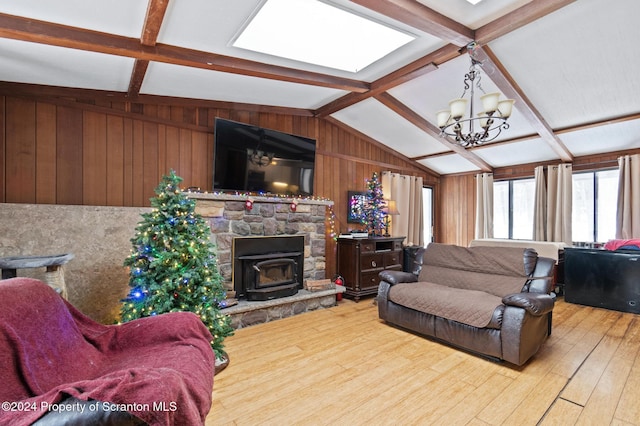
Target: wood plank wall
[457,210]
[82,148]
[95,151]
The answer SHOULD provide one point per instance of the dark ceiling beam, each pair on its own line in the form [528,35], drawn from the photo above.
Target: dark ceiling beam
[156,10]
[564,130]
[415,69]
[424,125]
[137,77]
[419,16]
[153,21]
[378,144]
[84,96]
[520,17]
[18,28]
[507,85]
[416,15]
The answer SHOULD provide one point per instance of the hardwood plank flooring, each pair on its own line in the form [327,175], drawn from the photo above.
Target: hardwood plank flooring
[344,366]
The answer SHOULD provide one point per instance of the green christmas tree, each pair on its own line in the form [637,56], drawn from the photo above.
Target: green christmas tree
[173,265]
[374,205]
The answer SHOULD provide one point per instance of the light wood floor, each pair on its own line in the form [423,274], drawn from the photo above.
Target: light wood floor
[343,366]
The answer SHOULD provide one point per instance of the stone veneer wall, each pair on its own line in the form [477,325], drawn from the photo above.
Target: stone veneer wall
[270,216]
[99,237]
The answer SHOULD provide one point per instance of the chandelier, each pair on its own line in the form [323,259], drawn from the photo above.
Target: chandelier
[259,157]
[484,127]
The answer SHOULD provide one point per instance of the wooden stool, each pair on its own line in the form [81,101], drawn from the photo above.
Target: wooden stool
[54,275]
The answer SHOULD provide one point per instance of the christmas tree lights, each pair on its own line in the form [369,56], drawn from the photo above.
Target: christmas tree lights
[173,265]
[373,210]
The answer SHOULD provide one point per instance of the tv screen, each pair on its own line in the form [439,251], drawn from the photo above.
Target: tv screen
[254,159]
[355,208]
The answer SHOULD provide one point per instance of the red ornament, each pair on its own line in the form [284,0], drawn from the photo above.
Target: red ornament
[248,204]
[293,207]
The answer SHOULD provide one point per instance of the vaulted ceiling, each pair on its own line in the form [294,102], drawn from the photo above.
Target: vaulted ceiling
[571,66]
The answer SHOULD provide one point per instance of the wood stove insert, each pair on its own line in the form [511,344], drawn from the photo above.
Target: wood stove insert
[266,268]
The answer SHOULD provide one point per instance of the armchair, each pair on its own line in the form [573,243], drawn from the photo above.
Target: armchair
[155,370]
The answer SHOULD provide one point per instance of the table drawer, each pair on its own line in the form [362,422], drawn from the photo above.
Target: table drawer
[367,247]
[369,280]
[392,259]
[371,261]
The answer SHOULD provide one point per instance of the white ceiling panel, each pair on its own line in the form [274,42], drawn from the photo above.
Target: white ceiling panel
[568,65]
[212,26]
[122,17]
[377,121]
[174,80]
[474,16]
[596,140]
[432,92]
[448,164]
[529,151]
[24,62]
[576,65]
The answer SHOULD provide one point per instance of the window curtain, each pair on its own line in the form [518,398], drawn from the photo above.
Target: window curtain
[553,204]
[540,206]
[406,191]
[559,203]
[628,213]
[484,205]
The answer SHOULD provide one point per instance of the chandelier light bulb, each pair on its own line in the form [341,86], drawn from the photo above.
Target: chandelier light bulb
[505,107]
[443,117]
[490,102]
[484,119]
[458,108]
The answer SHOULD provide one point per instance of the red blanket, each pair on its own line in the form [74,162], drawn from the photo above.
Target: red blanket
[616,244]
[160,368]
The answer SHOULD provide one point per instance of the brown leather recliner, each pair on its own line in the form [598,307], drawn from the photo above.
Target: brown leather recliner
[493,301]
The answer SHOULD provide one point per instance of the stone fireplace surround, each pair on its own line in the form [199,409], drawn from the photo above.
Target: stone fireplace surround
[229,218]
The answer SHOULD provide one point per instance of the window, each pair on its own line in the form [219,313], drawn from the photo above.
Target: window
[513,208]
[427,214]
[594,207]
[595,198]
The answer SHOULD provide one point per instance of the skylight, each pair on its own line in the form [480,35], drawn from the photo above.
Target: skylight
[315,32]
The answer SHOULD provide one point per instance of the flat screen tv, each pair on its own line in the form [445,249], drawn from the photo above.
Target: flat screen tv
[254,159]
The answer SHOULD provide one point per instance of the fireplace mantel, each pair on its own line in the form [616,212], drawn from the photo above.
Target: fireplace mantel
[218,196]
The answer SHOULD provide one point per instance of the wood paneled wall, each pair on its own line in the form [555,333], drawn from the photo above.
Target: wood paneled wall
[84,148]
[96,151]
[456,210]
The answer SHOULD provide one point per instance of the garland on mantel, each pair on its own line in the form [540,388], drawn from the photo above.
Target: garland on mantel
[294,200]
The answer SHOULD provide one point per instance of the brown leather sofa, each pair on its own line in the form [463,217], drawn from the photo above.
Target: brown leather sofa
[493,301]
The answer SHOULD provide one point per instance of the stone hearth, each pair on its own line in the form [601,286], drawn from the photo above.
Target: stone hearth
[245,314]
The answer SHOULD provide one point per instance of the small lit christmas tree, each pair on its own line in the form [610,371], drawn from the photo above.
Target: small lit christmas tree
[374,205]
[173,265]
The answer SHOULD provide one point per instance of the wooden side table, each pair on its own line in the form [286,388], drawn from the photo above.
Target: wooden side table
[360,260]
[54,275]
